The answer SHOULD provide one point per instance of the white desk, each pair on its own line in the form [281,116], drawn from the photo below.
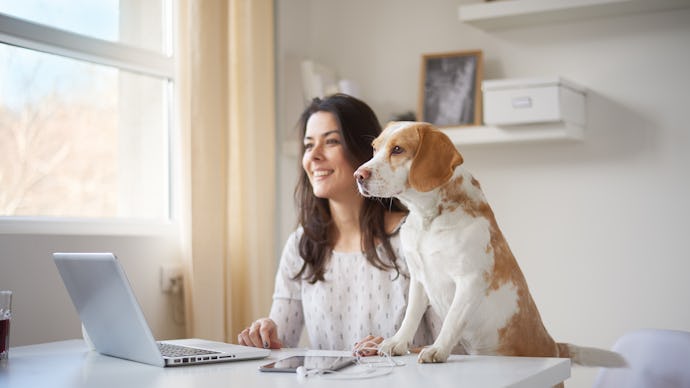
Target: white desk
[70,364]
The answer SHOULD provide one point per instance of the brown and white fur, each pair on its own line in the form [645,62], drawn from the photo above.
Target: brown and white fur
[459,261]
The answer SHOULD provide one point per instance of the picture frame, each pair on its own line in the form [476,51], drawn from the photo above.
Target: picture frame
[450,89]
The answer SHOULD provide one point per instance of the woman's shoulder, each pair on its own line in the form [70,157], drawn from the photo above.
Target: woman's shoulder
[291,256]
[296,234]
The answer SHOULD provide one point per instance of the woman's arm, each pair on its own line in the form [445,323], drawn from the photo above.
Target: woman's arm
[288,315]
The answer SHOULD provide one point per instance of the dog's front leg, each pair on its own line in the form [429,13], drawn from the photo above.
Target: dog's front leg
[417,303]
[465,302]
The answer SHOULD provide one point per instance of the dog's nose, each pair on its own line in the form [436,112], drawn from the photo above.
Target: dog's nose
[362,174]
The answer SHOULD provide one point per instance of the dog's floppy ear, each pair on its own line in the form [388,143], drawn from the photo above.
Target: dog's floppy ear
[435,160]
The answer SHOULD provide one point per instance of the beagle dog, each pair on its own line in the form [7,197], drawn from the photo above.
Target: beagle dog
[459,261]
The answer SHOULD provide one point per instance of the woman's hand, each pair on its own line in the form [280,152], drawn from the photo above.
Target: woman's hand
[262,333]
[368,346]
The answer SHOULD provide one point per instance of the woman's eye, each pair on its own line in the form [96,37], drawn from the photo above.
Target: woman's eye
[308,146]
[397,150]
[332,141]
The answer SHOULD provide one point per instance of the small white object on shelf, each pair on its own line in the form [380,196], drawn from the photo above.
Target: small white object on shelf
[318,80]
[533,101]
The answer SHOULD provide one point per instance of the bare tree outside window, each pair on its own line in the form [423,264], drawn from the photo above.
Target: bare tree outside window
[86,92]
[56,145]
[65,149]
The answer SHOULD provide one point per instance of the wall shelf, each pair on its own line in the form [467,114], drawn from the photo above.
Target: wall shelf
[518,13]
[559,131]
[483,135]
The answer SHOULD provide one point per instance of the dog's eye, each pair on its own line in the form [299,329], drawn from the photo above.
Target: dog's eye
[397,150]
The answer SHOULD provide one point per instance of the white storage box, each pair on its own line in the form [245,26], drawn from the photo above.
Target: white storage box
[532,101]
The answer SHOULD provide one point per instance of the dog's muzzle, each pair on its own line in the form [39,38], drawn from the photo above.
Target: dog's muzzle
[361,175]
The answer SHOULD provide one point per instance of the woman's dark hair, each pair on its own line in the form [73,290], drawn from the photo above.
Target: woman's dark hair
[358,126]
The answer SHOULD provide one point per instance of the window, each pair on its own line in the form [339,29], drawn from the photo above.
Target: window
[86,92]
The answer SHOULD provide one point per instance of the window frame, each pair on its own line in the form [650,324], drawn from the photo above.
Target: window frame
[47,39]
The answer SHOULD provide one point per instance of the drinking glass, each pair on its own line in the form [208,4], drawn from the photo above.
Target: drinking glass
[5,315]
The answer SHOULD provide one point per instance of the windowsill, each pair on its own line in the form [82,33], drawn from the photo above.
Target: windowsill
[84,226]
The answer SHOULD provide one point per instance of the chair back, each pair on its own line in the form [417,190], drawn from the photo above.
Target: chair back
[656,359]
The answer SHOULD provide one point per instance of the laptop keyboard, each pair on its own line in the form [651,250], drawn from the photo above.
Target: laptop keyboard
[169,350]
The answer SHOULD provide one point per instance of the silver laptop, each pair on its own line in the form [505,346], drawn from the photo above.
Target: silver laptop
[116,325]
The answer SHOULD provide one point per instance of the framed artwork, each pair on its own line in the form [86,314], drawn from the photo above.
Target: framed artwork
[450,91]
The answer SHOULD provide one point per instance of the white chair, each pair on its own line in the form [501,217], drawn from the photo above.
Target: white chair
[656,359]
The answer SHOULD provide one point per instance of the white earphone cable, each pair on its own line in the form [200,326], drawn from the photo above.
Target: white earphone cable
[370,367]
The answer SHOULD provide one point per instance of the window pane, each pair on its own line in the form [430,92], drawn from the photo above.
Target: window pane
[81,140]
[133,22]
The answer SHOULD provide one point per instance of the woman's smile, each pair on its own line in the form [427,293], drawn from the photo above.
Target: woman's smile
[321,173]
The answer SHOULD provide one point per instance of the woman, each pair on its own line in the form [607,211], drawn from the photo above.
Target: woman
[341,272]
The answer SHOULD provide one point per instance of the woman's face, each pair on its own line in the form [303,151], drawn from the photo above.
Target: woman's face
[324,160]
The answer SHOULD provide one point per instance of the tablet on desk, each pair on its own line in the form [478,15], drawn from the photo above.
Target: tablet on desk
[323,363]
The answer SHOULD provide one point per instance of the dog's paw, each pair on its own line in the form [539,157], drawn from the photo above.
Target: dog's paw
[433,354]
[393,347]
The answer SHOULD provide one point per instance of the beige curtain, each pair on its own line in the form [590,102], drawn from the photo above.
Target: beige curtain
[226,104]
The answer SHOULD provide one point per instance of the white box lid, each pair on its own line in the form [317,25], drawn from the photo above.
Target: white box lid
[532,82]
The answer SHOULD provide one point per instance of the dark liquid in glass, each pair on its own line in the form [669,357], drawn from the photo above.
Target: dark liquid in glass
[4,335]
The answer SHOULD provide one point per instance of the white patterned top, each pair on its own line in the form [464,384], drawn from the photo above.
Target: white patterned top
[355,300]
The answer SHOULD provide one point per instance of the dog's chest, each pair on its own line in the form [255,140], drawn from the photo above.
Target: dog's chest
[447,243]
[441,252]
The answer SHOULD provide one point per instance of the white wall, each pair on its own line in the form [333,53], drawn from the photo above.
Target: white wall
[598,227]
[42,309]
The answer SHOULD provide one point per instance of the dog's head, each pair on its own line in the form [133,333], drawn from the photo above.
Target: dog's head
[408,155]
